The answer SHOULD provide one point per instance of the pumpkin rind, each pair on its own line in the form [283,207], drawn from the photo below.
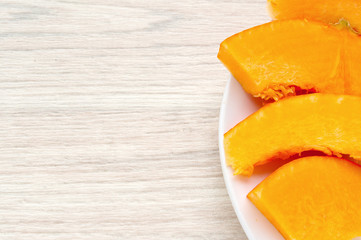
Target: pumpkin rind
[327,11]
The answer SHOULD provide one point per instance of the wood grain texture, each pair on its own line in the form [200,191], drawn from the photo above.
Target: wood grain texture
[109,117]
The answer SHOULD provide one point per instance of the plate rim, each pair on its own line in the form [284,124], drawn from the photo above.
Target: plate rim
[226,179]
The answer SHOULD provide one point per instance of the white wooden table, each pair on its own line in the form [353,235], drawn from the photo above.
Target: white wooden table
[109,117]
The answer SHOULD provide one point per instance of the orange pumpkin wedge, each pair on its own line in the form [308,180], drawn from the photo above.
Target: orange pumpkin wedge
[322,122]
[312,198]
[327,11]
[286,58]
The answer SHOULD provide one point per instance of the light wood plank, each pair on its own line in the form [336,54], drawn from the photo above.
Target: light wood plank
[109,115]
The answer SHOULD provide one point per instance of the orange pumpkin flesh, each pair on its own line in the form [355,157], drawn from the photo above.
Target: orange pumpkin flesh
[327,11]
[277,59]
[323,122]
[312,198]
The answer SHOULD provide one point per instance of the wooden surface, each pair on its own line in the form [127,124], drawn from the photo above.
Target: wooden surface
[109,118]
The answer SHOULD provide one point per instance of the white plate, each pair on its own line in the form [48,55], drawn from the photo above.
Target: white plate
[236,106]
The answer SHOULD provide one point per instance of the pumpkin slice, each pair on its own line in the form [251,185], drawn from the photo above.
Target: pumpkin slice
[292,57]
[315,122]
[327,11]
[312,198]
